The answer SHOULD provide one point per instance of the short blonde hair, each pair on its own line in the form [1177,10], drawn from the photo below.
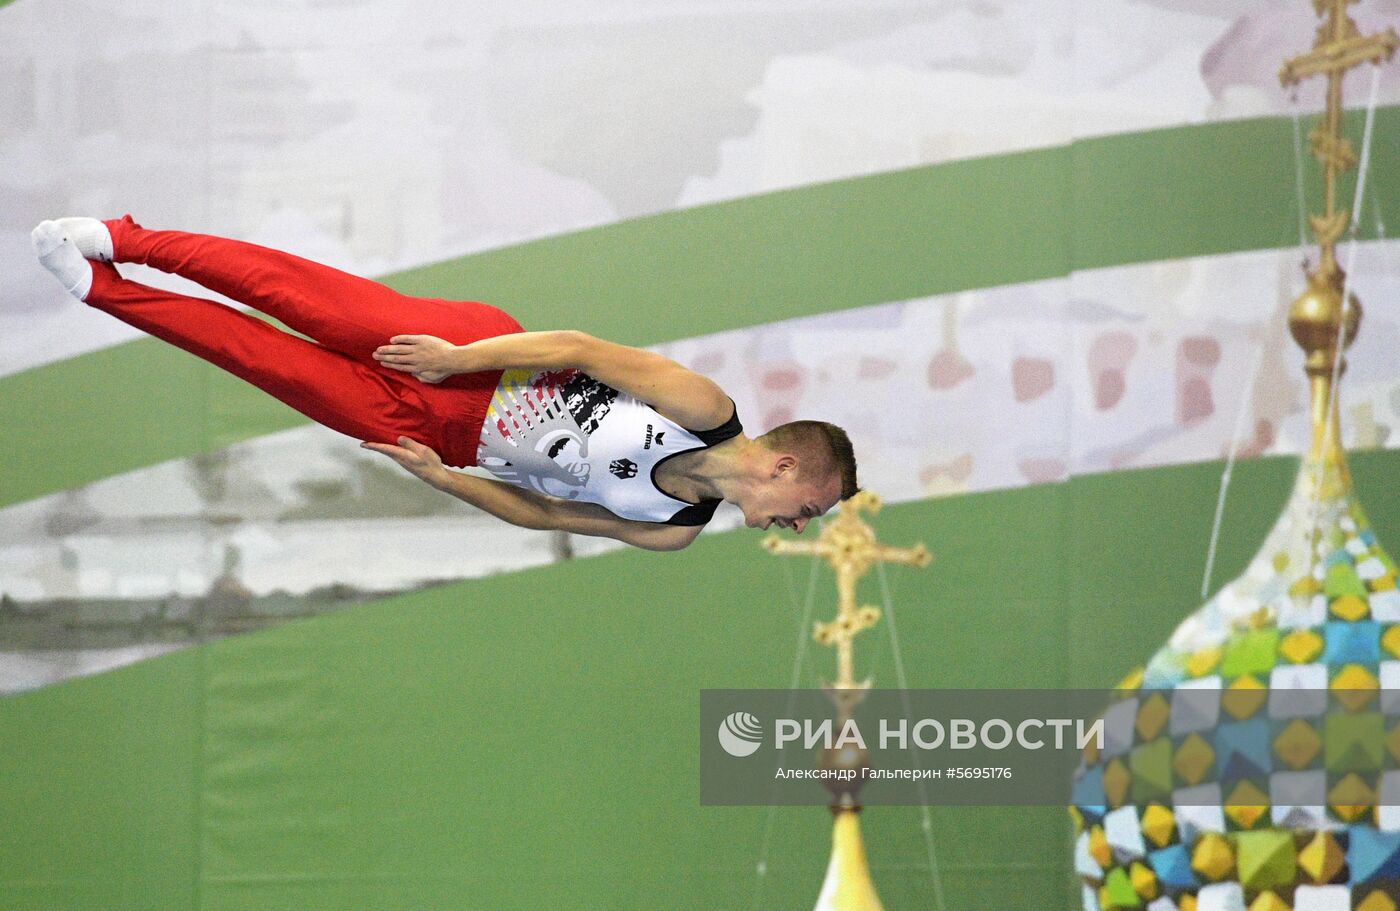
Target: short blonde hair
[817,443]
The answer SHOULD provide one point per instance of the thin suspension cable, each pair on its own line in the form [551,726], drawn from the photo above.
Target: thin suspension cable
[795,600]
[803,625]
[926,820]
[1363,168]
[1256,362]
[1298,179]
[1246,407]
[804,635]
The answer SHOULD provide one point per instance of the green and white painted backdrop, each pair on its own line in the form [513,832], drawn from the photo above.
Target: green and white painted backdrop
[1025,252]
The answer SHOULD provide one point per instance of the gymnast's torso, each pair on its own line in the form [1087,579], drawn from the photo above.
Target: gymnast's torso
[565,434]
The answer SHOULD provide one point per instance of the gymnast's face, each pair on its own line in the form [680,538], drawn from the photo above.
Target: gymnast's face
[787,499]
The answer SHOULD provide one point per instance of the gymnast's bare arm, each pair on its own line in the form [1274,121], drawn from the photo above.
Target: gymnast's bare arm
[684,396]
[528,509]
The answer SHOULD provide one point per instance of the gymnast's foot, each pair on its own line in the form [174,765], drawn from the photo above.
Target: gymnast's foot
[60,256]
[91,237]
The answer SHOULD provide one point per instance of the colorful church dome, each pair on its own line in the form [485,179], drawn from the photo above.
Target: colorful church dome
[1258,748]
[1254,763]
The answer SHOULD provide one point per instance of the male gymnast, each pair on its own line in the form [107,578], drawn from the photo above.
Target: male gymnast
[584,435]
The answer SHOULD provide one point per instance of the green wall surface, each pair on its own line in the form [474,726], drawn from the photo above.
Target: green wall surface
[529,740]
[1105,201]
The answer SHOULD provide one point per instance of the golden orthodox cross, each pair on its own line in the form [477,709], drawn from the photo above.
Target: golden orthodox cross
[1339,47]
[848,546]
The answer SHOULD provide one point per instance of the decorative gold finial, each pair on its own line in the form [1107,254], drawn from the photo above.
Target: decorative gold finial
[1317,315]
[848,546]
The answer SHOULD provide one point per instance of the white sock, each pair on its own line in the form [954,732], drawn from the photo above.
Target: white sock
[60,256]
[91,236]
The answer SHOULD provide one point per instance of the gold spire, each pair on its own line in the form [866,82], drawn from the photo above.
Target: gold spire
[1316,316]
[848,546]
[847,886]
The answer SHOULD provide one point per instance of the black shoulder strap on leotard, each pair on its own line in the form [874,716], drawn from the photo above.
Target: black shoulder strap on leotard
[702,512]
[728,430]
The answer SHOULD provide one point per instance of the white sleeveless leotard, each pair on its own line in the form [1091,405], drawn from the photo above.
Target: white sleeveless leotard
[565,434]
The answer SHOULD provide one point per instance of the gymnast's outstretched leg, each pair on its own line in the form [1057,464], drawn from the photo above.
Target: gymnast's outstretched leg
[331,388]
[344,312]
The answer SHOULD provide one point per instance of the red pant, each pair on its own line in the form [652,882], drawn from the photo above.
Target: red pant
[336,382]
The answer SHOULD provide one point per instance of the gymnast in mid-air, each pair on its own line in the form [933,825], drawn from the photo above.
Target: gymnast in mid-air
[585,435]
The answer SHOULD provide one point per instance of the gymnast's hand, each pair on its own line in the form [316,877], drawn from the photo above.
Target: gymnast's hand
[417,459]
[427,357]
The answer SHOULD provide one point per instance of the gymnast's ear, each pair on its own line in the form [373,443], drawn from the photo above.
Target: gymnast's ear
[783,464]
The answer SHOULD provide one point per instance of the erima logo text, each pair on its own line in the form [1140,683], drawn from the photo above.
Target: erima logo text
[658,437]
